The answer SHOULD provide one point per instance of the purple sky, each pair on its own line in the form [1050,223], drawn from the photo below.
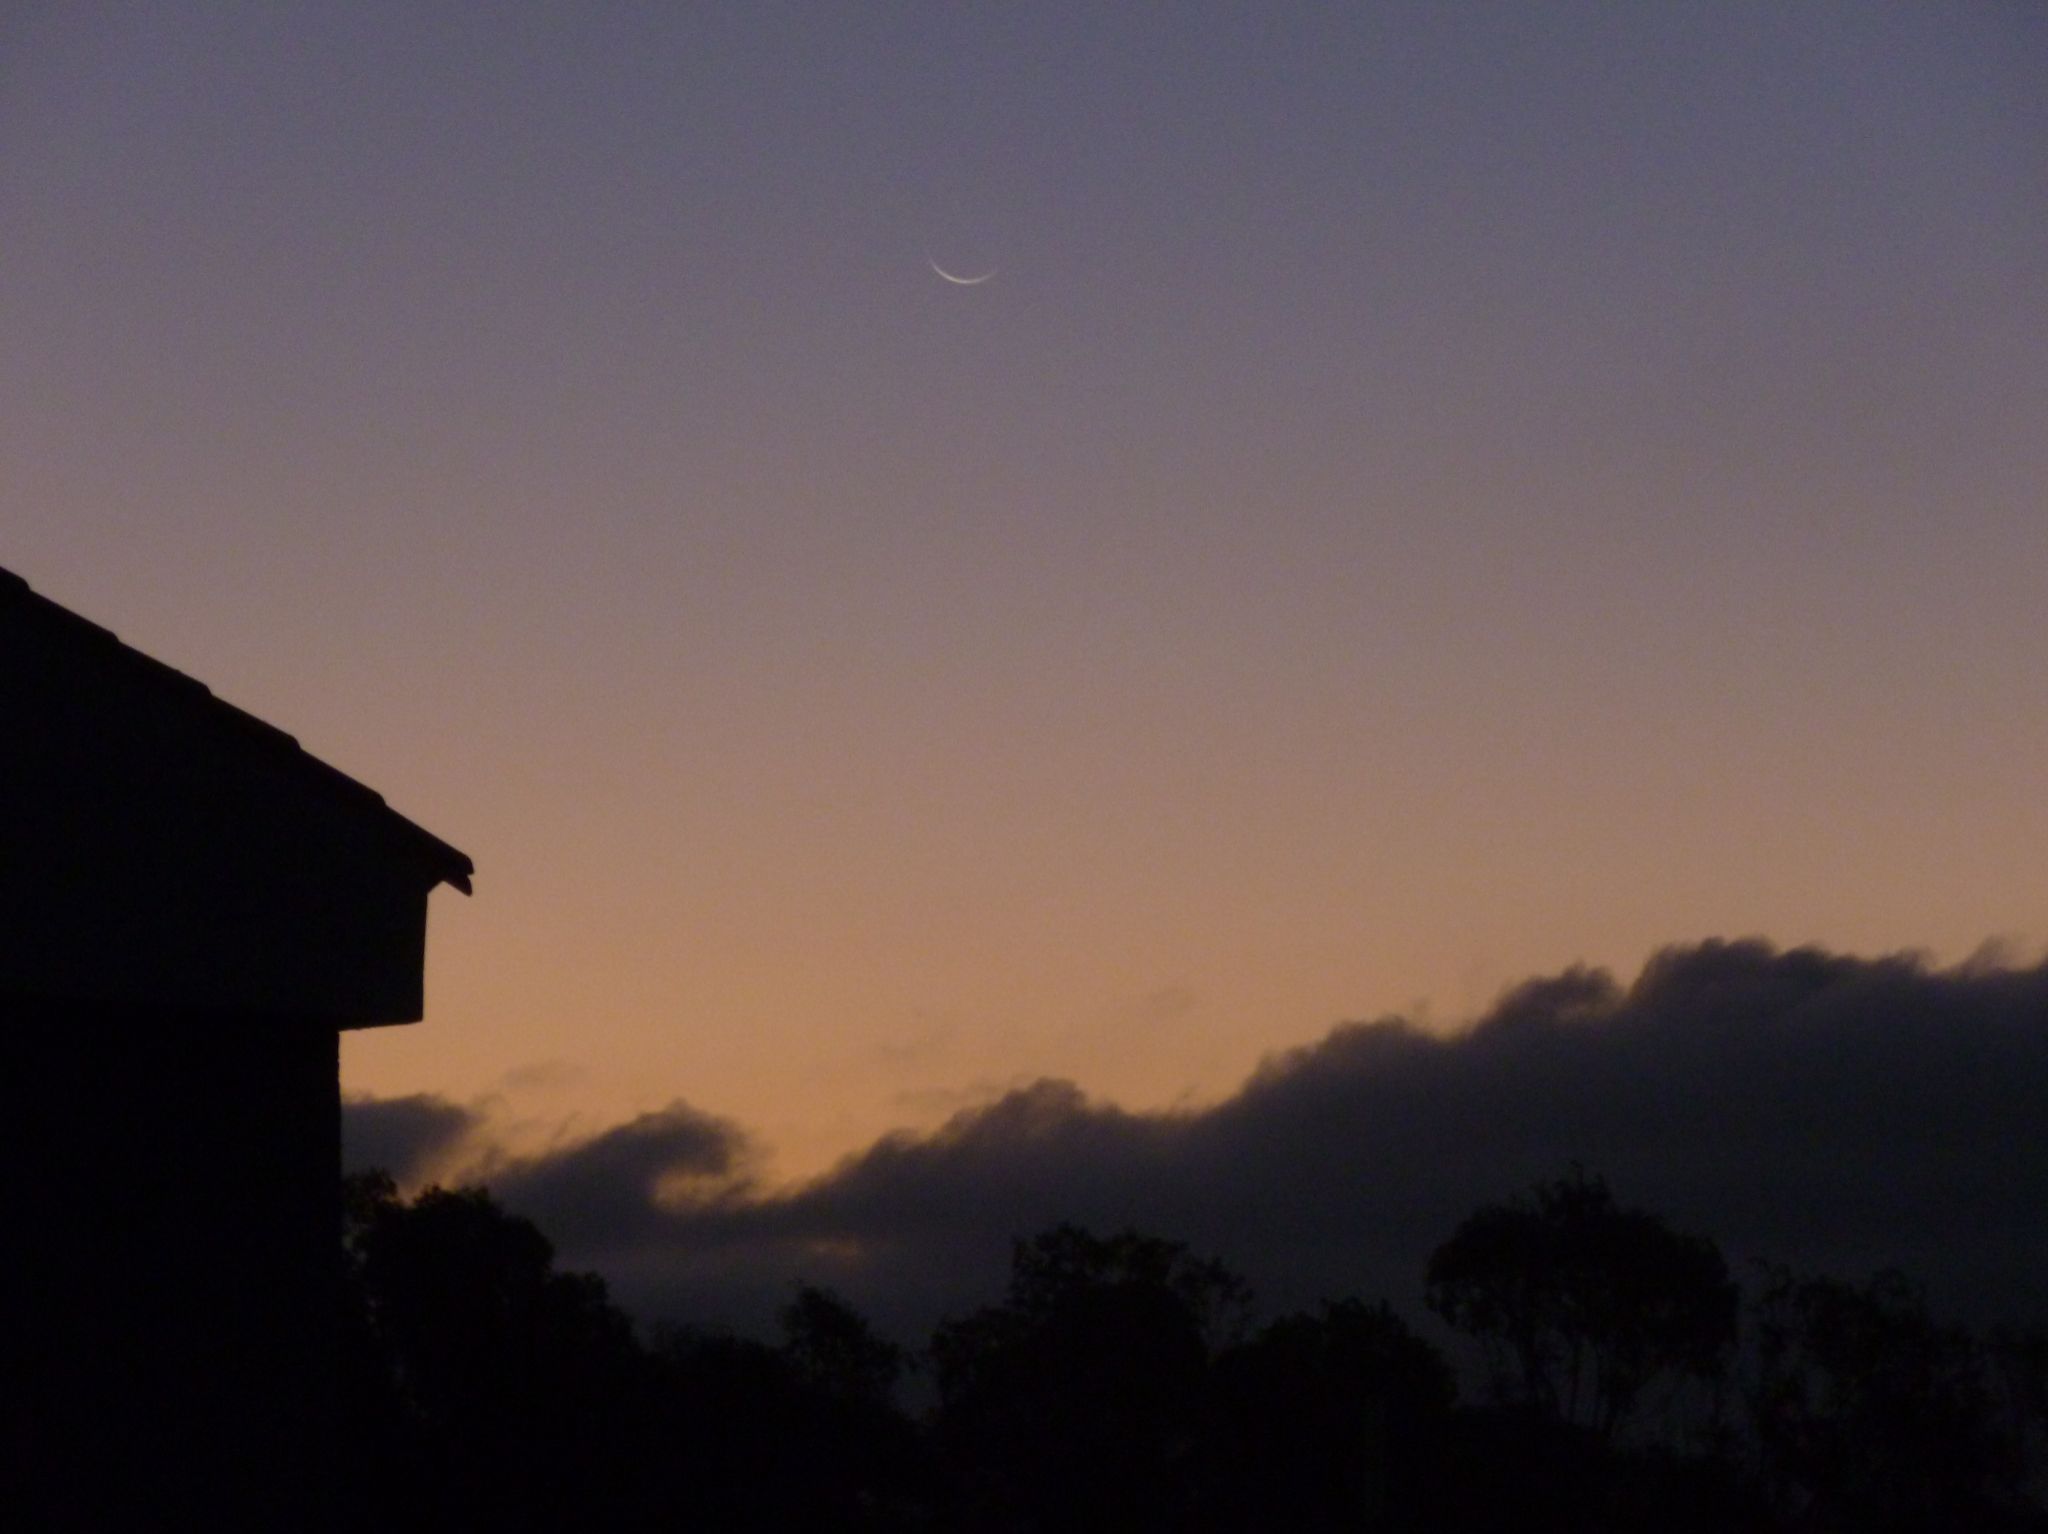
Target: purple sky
[1432,494]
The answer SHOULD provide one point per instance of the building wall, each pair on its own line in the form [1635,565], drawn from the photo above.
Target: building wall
[175,1229]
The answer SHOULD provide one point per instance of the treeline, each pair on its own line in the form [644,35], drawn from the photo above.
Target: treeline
[1619,1379]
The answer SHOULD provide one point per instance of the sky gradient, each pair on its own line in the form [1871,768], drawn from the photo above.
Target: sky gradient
[1432,495]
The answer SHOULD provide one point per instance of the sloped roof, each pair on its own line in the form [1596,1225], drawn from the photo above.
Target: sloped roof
[236,728]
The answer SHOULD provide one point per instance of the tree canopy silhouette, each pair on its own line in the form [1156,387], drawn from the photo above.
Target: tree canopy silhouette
[1117,1384]
[1870,1409]
[510,1386]
[1077,1400]
[1325,1421]
[1580,1304]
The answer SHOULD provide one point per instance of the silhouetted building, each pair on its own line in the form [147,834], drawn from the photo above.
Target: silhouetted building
[191,909]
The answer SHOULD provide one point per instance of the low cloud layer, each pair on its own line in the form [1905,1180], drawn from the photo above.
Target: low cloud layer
[409,1137]
[1837,1113]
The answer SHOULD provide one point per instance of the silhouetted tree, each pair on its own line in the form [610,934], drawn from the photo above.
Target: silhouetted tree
[864,1453]
[1077,1403]
[484,1389]
[1113,1387]
[385,1475]
[1325,1421]
[1872,1415]
[512,1393]
[832,1345]
[1581,1305]
[2018,1360]
[755,1442]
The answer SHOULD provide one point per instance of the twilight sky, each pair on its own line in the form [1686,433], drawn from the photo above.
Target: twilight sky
[1432,495]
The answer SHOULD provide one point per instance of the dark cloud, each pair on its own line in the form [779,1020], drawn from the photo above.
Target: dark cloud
[1837,1113]
[409,1137]
[609,1195]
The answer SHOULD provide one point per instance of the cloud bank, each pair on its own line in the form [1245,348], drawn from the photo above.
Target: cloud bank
[409,1137]
[1838,1113]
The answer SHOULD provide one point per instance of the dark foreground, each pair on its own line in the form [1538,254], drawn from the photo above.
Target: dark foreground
[1625,1382]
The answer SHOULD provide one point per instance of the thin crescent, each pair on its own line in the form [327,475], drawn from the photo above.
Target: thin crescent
[965,282]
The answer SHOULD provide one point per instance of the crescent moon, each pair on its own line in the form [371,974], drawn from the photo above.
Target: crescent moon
[965,282]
